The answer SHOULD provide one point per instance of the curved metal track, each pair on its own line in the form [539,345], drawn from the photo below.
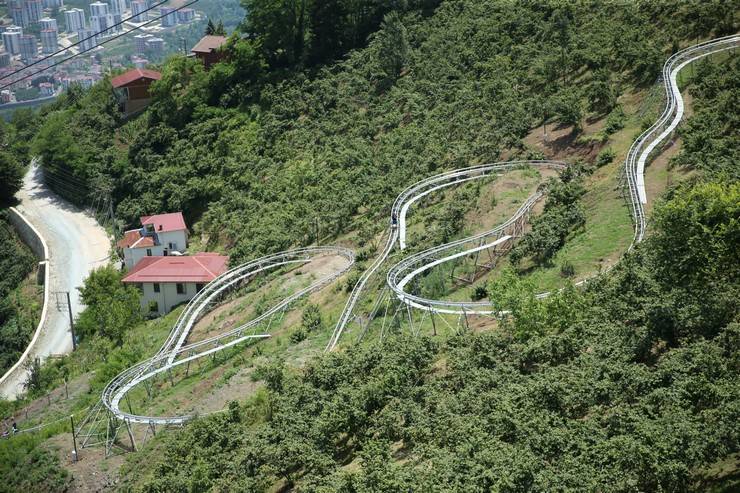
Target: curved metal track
[174,352]
[401,274]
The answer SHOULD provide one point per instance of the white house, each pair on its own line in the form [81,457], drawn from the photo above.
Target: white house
[166,282]
[159,235]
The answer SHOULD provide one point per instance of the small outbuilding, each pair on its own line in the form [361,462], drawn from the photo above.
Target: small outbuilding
[209,50]
[132,89]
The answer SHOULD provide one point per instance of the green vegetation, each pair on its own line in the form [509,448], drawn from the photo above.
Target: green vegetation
[18,306]
[591,390]
[111,306]
[316,119]
[270,142]
[563,214]
[710,139]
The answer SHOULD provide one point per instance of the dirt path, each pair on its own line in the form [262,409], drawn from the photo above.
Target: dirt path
[77,244]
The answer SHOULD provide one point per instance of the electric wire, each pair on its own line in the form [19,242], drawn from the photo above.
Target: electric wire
[112,38]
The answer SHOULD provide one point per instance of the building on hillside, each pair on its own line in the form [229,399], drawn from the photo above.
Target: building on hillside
[185,16]
[74,20]
[155,45]
[49,40]
[165,282]
[209,50]
[159,235]
[169,16]
[29,47]
[87,39]
[49,23]
[12,39]
[132,89]
[138,11]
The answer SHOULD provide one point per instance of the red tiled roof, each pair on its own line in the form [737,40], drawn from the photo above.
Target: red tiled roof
[135,74]
[129,238]
[201,268]
[144,241]
[165,222]
[209,43]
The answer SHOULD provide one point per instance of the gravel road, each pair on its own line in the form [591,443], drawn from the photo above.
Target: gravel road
[77,244]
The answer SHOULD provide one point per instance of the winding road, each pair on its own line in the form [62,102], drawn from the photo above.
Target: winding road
[175,352]
[77,244]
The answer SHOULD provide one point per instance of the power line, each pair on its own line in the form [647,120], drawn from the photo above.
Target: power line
[82,41]
[113,38]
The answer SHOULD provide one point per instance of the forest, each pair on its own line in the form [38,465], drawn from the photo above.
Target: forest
[320,113]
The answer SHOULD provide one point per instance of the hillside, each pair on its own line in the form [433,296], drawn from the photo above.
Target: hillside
[321,114]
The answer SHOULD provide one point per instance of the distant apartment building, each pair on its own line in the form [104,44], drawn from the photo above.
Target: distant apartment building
[74,20]
[6,96]
[49,23]
[12,39]
[98,9]
[53,4]
[5,59]
[140,42]
[155,45]
[15,9]
[185,16]
[29,47]
[169,16]
[117,6]
[87,38]
[26,12]
[49,40]
[138,8]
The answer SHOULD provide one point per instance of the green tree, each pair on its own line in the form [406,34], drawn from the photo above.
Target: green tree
[111,307]
[11,176]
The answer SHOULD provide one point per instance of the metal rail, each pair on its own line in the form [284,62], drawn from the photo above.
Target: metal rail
[174,352]
[638,155]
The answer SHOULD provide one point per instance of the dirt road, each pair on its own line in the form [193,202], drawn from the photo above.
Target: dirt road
[77,244]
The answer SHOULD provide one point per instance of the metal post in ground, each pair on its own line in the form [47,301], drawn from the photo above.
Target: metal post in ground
[71,323]
[74,437]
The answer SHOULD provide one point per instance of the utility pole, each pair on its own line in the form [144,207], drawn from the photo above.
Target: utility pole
[74,437]
[71,323]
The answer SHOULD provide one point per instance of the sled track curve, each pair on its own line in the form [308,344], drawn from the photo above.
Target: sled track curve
[401,274]
[175,352]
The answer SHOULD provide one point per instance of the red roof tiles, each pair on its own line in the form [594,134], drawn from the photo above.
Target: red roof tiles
[200,268]
[165,222]
[133,75]
[209,43]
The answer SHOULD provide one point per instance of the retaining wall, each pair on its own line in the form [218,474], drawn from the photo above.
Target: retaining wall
[31,237]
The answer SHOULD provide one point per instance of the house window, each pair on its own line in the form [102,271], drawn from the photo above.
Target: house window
[140,286]
[156,287]
[180,288]
[172,246]
[148,252]
[153,307]
[199,287]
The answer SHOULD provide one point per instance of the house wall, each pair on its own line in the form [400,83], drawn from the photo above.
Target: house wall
[167,298]
[179,238]
[131,256]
